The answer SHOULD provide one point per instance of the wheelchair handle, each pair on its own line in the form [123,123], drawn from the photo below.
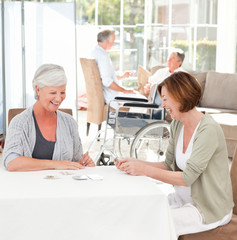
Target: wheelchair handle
[142,105]
[131,99]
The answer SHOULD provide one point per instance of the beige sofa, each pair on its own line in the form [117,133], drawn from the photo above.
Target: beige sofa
[219,98]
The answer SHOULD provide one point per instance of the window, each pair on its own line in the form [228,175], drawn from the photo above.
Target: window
[147,30]
[36,33]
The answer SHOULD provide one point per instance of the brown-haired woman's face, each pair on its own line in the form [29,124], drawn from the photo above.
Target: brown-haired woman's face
[170,104]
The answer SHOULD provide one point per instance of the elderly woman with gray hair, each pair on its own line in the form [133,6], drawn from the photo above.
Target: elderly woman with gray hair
[42,137]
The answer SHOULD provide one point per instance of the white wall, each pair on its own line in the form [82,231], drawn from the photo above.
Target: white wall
[226,36]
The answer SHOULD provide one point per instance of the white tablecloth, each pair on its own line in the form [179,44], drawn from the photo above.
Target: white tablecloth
[118,207]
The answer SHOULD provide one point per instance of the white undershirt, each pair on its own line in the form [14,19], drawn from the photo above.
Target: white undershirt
[181,159]
[182,194]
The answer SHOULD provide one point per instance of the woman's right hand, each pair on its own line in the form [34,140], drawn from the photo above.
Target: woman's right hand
[119,163]
[67,165]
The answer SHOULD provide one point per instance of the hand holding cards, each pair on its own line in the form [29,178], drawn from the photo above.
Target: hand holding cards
[114,156]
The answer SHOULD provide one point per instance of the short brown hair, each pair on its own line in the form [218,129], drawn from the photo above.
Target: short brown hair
[184,88]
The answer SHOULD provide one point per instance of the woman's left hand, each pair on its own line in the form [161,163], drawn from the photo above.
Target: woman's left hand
[133,168]
[86,160]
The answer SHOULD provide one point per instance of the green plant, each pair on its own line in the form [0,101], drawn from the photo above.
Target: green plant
[205,54]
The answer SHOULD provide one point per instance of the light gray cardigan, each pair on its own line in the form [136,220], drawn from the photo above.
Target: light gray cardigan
[21,137]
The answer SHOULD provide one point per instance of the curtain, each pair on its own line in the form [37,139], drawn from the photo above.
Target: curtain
[40,33]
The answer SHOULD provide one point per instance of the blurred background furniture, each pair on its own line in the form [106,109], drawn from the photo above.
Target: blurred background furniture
[142,79]
[143,76]
[228,231]
[155,68]
[96,107]
[219,99]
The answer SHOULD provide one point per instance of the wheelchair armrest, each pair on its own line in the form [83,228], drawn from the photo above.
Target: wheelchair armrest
[142,105]
[131,99]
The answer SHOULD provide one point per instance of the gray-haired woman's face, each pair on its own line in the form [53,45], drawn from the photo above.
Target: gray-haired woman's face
[51,97]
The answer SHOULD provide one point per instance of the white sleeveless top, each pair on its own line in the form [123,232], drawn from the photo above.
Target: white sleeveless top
[184,193]
[181,159]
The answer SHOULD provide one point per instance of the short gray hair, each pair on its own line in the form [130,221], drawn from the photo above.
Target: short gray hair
[105,35]
[48,75]
[180,55]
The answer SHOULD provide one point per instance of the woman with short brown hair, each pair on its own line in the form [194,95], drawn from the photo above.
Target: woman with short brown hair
[196,160]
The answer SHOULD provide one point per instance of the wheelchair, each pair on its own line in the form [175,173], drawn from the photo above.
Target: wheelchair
[139,130]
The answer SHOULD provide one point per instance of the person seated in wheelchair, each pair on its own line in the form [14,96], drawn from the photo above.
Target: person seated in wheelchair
[174,64]
[196,162]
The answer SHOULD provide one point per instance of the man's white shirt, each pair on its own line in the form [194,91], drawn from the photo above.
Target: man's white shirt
[158,77]
[107,72]
[162,74]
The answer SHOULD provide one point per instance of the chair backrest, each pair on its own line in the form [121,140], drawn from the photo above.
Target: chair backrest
[142,79]
[14,111]
[155,68]
[233,175]
[96,109]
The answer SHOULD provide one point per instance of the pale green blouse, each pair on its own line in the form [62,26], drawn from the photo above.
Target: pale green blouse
[207,170]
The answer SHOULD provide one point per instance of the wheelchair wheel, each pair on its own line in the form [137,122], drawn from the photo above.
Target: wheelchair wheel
[151,142]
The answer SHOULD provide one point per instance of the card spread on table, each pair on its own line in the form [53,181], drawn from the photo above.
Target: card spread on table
[89,176]
[95,177]
[51,177]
